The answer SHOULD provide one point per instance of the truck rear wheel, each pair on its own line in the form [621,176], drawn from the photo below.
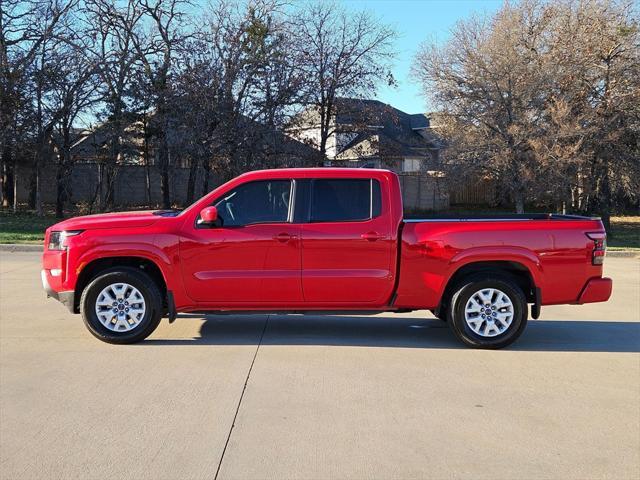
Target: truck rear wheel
[488,311]
[121,305]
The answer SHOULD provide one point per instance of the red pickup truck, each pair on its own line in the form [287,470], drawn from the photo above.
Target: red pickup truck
[327,239]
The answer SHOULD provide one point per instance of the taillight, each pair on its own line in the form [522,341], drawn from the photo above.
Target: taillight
[599,247]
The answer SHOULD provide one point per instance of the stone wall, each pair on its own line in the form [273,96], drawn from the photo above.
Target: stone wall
[423,192]
[130,184]
[419,192]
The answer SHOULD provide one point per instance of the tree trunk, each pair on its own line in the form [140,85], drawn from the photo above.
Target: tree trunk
[38,193]
[605,199]
[60,191]
[191,182]
[519,199]
[147,167]
[33,186]
[63,173]
[323,149]
[109,178]
[147,178]
[325,115]
[7,178]
[164,172]
[15,186]
[39,211]
[95,200]
[98,196]
[111,166]
[206,166]
[164,185]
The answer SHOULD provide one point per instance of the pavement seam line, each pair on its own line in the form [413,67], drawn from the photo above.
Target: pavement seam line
[246,381]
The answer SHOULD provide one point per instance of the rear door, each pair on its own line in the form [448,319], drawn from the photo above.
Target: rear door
[347,249]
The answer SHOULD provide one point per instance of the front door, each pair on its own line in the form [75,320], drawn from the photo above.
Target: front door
[347,249]
[252,256]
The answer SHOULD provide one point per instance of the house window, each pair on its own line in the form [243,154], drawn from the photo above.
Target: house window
[411,165]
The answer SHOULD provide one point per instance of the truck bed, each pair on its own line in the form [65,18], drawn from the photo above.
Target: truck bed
[495,217]
[554,250]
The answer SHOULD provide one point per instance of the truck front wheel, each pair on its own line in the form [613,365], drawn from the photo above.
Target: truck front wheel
[487,311]
[121,305]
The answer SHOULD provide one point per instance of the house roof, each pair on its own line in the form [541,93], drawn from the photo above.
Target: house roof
[382,130]
[419,121]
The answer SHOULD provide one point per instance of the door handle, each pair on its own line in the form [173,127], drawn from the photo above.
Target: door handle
[372,236]
[284,237]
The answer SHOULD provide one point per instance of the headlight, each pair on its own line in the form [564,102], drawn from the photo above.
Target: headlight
[57,239]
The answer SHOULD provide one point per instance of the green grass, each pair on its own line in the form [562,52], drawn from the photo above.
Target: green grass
[23,227]
[626,233]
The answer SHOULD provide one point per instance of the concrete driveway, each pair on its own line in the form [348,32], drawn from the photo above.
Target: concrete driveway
[390,396]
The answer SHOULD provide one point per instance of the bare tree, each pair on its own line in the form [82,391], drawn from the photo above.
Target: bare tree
[63,77]
[157,52]
[193,107]
[341,54]
[258,81]
[71,92]
[543,98]
[234,86]
[25,25]
[117,54]
[595,58]
[490,81]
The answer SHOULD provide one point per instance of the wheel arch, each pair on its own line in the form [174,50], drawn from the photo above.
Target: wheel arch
[513,269]
[94,267]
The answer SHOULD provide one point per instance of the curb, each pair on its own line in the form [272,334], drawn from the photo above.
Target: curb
[26,247]
[623,254]
[17,247]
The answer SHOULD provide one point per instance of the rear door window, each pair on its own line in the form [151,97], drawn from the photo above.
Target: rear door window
[344,200]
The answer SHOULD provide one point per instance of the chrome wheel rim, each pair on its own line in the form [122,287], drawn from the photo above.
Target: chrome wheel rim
[120,307]
[489,312]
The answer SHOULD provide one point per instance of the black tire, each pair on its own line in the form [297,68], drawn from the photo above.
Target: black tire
[147,288]
[466,289]
[439,316]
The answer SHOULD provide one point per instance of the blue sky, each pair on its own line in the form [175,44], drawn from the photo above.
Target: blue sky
[416,21]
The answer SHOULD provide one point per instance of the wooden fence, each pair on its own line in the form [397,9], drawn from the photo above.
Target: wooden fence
[478,192]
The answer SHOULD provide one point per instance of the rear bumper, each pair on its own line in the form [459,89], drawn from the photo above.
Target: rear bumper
[596,290]
[66,298]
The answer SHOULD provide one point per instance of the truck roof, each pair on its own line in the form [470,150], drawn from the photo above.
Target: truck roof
[336,172]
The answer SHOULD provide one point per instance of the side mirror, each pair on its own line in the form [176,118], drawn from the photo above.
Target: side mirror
[209,215]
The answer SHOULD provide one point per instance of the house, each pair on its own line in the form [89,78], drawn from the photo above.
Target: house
[369,133]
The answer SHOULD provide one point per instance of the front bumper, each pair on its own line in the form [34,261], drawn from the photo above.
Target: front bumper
[596,290]
[66,298]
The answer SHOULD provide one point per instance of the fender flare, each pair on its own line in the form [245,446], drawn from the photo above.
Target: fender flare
[123,249]
[528,259]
